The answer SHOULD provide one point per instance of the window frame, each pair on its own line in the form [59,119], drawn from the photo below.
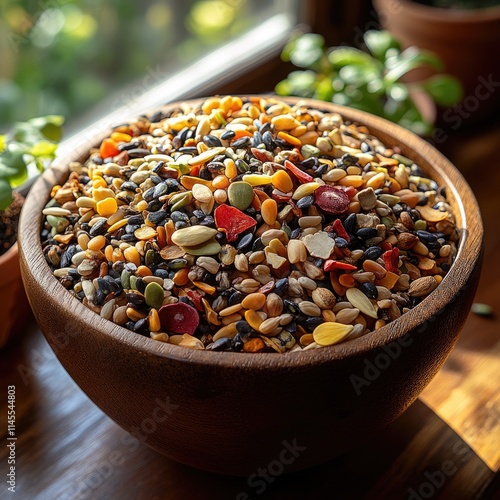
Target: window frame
[257,69]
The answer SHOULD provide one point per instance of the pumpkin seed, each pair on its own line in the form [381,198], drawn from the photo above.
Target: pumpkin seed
[192,236]
[331,333]
[360,301]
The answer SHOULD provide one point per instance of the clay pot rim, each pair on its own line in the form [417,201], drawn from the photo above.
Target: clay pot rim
[8,272]
[449,16]
[8,254]
[469,253]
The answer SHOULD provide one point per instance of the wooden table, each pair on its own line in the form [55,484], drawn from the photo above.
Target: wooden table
[446,445]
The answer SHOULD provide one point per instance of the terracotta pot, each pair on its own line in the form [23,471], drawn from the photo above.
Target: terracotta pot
[467,41]
[233,413]
[14,308]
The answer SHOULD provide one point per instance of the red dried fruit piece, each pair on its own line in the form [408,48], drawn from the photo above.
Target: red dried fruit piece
[179,318]
[349,191]
[385,246]
[338,227]
[332,265]
[232,221]
[195,297]
[331,199]
[302,176]
[391,260]
[108,148]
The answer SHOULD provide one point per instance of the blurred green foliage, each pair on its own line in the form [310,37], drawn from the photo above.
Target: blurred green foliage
[29,143]
[370,80]
[64,56]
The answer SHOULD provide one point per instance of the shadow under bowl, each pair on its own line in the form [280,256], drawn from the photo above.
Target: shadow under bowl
[232,413]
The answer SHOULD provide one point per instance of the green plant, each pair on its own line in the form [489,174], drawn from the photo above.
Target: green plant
[460,4]
[370,81]
[29,143]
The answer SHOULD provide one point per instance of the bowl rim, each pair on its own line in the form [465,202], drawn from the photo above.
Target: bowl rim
[455,281]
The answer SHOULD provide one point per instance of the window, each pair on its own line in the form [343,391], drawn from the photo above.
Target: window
[72,56]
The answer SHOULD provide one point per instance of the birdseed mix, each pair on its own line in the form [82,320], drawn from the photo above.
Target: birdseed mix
[248,225]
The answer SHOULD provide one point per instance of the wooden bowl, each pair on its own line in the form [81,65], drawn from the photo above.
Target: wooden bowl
[234,413]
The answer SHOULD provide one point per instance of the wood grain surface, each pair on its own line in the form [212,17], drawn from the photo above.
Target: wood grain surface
[446,445]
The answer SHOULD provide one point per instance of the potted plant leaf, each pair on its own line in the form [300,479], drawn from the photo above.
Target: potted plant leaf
[464,34]
[24,151]
[370,80]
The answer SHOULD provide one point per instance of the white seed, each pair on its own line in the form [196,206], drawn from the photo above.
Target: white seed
[269,325]
[309,308]
[359,300]
[57,211]
[347,316]
[202,193]
[108,309]
[307,283]
[241,262]
[296,251]
[309,221]
[208,263]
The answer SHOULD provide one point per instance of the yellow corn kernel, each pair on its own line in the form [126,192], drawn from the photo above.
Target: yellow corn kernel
[143,271]
[142,205]
[282,181]
[134,314]
[101,193]
[231,171]
[117,255]
[257,180]
[161,236]
[96,243]
[154,321]
[169,231]
[117,225]
[98,182]
[253,319]
[290,139]
[107,207]
[351,180]
[181,277]
[121,137]
[132,255]
[269,211]
[220,182]
[108,252]
[210,104]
